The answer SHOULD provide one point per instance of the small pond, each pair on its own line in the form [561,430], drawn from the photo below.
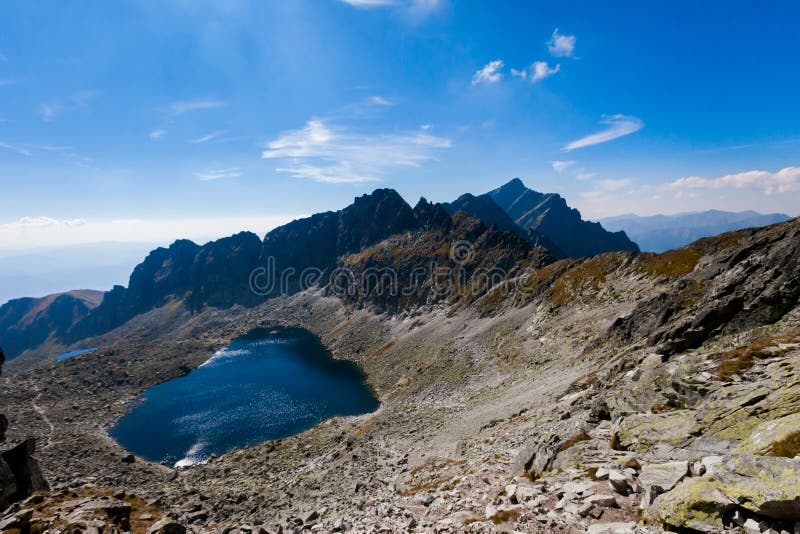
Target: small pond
[72,353]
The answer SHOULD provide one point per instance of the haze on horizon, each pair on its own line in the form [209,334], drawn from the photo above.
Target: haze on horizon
[148,121]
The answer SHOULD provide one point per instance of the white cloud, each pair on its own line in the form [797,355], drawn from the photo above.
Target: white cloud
[561,45]
[618,126]
[539,70]
[8,82]
[233,172]
[489,73]
[32,232]
[425,126]
[585,175]
[15,148]
[770,183]
[206,138]
[49,111]
[185,106]
[323,153]
[155,135]
[561,166]
[614,185]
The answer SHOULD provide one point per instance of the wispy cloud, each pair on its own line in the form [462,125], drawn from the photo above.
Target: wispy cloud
[617,126]
[489,73]
[155,135]
[585,175]
[370,3]
[15,148]
[561,45]
[3,57]
[418,7]
[43,222]
[614,185]
[208,137]
[233,172]
[49,111]
[561,166]
[323,153]
[380,101]
[9,81]
[186,106]
[770,183]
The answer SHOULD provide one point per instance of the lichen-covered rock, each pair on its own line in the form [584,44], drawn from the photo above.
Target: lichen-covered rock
[695,503]
[641,432]
[780,437]
[766,485]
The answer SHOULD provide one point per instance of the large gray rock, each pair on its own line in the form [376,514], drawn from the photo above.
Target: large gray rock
[766,485]
[536,458]
[660,478]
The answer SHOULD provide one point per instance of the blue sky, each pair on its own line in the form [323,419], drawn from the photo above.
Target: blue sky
[152,120]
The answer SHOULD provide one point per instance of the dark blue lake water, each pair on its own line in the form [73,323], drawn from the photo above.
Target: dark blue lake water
[266,385]
[70,354]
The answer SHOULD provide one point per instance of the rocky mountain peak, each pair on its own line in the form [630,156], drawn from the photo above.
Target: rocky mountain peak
[550,216]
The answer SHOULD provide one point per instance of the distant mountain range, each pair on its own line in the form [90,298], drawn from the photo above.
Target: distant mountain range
[658,233]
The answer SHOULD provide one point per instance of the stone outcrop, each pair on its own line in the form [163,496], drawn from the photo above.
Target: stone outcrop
[20,474]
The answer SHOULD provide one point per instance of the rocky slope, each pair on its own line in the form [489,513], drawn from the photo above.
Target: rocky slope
[549,216]
[623,392]
[657,233]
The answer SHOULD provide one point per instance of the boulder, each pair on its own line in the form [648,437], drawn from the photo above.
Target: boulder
[779,437]
[618,482]
[166,526]
[27,476]
[660,478]
[695,503]
[536,458]
[766,485]
[640,432]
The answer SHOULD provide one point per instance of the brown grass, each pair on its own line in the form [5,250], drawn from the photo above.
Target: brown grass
[788,447]
[381,351]
[572,440]
[504,515]
[672,263]
[588,275]
[739,360]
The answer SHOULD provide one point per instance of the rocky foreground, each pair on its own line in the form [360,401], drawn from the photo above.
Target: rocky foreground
[623,393]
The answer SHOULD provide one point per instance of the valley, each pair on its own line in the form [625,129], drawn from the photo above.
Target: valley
[554,400]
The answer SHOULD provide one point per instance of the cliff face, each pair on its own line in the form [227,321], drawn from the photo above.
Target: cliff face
[28,322]
[551,217]
[452,264]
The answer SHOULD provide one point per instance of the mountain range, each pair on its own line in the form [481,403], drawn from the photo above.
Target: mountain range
[657,233]
[511,222]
